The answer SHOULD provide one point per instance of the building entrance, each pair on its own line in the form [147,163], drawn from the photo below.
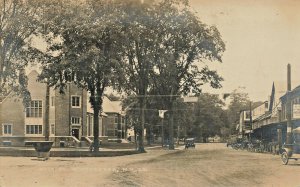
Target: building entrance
[75,133]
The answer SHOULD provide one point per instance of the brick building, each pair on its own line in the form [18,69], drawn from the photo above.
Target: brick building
[71,118]
[67,118]
[114,123]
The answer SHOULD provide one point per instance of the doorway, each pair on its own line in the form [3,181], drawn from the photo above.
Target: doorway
[75,133]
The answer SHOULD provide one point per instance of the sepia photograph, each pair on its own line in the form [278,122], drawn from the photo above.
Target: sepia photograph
[149,93]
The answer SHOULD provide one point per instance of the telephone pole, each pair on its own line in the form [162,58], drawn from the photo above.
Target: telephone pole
[289,107]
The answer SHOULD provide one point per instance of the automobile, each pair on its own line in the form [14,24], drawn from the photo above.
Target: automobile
[291,151]
[190,142]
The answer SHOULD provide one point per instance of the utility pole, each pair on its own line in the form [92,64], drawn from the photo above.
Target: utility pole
[289,107]
[161,114]
[162,132]
[178,132]
[250,120]
[171,123]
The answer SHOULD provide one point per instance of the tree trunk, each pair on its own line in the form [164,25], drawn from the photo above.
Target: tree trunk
[47,112]
[135,138]
[148,135]
[178,135]
[97,109]
[96,129]
[171,126]
[142,125]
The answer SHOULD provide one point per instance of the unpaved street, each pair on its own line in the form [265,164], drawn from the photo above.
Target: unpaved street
[207,165]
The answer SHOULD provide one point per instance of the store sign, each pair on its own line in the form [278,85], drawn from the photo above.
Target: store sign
[296,111]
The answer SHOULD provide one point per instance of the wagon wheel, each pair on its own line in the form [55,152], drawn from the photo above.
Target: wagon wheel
[284,158]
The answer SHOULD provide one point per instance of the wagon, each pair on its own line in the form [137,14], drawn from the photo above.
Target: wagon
[291,151]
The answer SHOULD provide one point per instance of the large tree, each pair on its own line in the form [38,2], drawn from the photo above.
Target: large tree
[210,117]
[164,40]
[86,51]
[138,53]
[239,101]
[17,26]
[183,45]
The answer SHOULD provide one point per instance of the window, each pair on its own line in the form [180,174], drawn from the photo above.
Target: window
[296,101]
[247,115]
[87,119]
[70,76]
[52,129]
[75,101]
[91,126]
[75,120]
[7,129]
[266,105]
[35,109]
[116,119]
[52,101]
[34,129]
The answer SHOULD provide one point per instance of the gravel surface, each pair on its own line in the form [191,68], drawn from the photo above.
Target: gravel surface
[207,165]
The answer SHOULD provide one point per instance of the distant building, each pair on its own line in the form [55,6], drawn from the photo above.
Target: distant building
[271,116]
[295,109]
[114,123]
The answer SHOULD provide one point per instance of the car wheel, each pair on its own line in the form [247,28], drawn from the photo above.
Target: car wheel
[284,158]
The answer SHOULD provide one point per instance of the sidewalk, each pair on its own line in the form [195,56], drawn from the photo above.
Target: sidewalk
[65,152]
[77,151]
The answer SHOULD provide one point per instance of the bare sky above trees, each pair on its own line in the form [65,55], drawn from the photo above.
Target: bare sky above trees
[261,38]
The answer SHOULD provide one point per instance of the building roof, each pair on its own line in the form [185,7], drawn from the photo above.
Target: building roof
[111,106]
[89,108]
[294,92]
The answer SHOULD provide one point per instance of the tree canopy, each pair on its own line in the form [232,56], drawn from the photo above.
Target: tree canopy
[158,48]
[182,46]
[83,48]
[18,23]
[210,117]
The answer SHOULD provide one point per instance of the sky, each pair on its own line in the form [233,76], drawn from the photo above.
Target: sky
[261,37]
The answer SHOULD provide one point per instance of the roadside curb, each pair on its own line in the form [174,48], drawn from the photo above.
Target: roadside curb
[14,152]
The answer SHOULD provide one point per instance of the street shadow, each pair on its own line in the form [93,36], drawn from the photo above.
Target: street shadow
[294,164]
[39,159]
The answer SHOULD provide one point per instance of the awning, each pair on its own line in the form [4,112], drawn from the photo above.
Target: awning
[296,130]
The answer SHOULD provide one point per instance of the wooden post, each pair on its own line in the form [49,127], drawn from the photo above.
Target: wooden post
[279,137]
[178,131]
[249,138]
[162,132]
[171,126]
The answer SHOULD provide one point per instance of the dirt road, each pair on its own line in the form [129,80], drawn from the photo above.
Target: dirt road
[212,165]
[207,165]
